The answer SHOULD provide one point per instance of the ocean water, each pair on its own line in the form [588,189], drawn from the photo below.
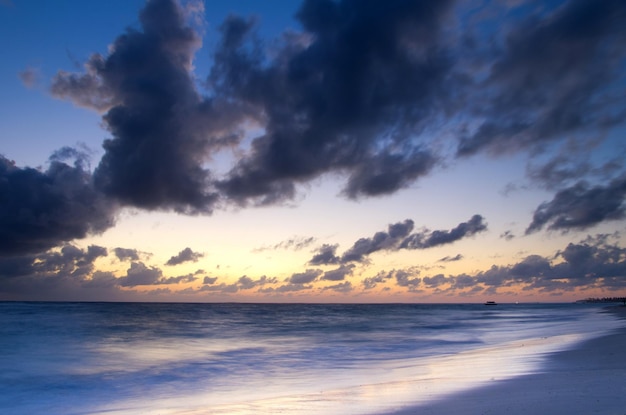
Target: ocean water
[138,358]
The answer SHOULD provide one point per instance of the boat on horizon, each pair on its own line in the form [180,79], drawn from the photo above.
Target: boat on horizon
[491,303]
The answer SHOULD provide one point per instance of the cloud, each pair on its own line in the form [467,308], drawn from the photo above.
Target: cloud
[343,287]
[178,280]
[221,288]
[361,92]
[306,277]
[42,209]
[125,254]
[351,97]
[326,255]
[398,236]
[424,240]
[556,76]
[455,258]
[296,243]
[339,274]
[592,263]
[162,130]
[56,274]
[140,274]
[389,240]
[247,283]
[209,280]
[186,255]
[581,206]
[380,278]
[435,281]
[406,278]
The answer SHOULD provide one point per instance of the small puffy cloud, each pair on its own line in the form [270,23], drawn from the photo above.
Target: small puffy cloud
[343,287]
[140,274]
[186,255]
[209,280]
[339,274]
[247,283]
[306,277]
[407,278]
[326,255]
[380,278]
[178,280]
[125,254]
[435,281]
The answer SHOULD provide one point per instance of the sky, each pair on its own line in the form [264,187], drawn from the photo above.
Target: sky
[312,151]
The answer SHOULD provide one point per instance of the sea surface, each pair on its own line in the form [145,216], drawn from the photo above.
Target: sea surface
[138,358]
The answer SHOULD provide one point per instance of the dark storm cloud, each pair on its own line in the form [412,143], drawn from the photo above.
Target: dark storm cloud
[581,206]
[125,254]
[350,96]
[358,92]
[423,240]
[186,255]
[42,209]
[558,74]
[162,130]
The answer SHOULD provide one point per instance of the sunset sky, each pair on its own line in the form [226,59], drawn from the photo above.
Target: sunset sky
[313,151]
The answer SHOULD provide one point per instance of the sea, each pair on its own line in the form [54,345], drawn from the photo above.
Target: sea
[163,358]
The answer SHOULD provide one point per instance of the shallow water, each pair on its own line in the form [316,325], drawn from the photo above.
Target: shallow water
[131,358]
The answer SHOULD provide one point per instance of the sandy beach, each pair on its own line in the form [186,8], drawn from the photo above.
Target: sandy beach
[590,379]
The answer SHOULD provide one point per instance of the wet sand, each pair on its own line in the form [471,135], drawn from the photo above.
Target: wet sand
[590,379]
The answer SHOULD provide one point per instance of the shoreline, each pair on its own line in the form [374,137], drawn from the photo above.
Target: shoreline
[588,379]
